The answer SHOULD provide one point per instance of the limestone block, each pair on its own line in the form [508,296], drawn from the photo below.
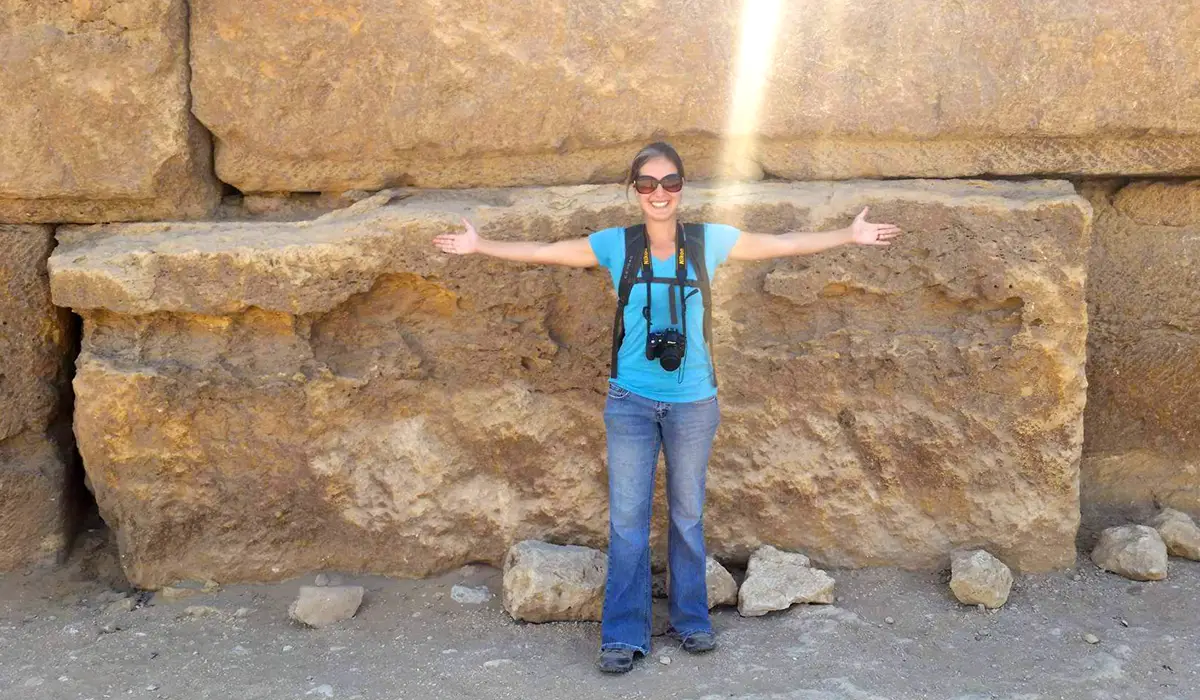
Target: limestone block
[1134,551]
[325,95]
[777,580]
[35,493]
[978,578]
[1179,532]
[94,114]
[252,396]
[722,589]
[545,582]
[324,606]
[1143,434]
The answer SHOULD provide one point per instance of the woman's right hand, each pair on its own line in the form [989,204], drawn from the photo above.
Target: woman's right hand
[463,243]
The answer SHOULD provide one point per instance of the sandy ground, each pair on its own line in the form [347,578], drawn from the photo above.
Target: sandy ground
[60,638]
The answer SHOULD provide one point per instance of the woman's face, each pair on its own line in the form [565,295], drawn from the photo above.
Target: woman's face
[659,205]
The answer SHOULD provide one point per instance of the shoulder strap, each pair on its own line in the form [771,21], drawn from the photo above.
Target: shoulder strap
[635,242]
[694,243]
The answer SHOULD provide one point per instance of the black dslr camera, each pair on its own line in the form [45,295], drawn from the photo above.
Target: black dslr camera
[667,347]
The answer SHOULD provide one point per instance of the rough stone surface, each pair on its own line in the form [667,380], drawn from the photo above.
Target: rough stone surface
[251,396]
[326,95]
[977,577]
[545,582]
[1179,533]
[36,498]
[321,606]
[1143,432]
[722,589]
[777,580]
[94,113]
[1134,551]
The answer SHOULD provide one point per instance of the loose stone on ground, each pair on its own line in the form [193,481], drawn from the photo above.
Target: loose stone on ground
[324,606]
[1134,551]
[776,580]
[978,578]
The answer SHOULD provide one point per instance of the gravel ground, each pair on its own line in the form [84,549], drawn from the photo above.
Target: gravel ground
[64,634]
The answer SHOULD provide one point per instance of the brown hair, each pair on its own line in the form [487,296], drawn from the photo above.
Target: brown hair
[658,149]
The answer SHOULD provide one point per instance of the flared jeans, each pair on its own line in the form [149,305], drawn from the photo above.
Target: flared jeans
[637,429]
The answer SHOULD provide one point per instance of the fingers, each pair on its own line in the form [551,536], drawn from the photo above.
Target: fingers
[448,242]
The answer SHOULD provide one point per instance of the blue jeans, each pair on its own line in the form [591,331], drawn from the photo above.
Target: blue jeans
[637,428]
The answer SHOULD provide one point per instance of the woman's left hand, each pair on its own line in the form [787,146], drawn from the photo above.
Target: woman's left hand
[863,232]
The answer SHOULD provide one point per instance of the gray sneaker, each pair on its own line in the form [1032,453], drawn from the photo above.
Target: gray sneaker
[615,660]
[699,643]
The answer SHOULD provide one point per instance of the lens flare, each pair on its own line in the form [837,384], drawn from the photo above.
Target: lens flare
[756,49]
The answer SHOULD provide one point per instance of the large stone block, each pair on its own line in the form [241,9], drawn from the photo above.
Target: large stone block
[256,400]
[311,95]
[35,337]
[1143,430]
[94,114]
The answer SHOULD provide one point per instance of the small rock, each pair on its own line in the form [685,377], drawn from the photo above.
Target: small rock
[776,580]
[152,687]
[288,647]
[889,620]
[320,607]
[1076,577]
[1134,551]
[242,612]
[722,589]
[325,691]
[470,595]
[978,578]
[200,611]
[496,662]
[1091,638]
[664,660]
[1179,533]
[545,582]
[121,606]
[186,589]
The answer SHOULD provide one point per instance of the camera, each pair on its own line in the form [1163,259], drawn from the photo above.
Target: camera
[667,347]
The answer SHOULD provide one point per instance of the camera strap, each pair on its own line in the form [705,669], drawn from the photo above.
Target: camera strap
[689,246]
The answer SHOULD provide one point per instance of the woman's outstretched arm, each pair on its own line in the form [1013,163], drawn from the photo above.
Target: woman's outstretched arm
[575,252]
[760,246]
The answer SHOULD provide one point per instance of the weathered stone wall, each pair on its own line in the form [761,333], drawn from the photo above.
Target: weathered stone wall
[313,95]
[94,114]
[1143,428]
[257,400]
[36,493]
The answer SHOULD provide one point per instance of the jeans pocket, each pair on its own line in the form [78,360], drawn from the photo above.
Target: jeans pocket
[616,392]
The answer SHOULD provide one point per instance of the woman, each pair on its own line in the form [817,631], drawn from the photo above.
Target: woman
[655,398]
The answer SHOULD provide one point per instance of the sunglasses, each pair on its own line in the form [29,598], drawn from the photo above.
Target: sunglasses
[644,184]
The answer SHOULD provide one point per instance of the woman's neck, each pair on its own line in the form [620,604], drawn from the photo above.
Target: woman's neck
[661,233]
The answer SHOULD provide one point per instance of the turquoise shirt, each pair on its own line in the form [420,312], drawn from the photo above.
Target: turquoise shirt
[693,380]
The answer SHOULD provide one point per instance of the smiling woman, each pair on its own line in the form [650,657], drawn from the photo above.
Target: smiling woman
[662,393]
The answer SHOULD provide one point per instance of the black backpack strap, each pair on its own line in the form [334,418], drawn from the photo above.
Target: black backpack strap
[694,243]
[635,244]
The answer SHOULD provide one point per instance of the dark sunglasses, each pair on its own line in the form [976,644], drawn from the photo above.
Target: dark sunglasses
[644,184]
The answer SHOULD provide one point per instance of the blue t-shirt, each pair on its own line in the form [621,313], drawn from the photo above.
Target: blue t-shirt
[693,380]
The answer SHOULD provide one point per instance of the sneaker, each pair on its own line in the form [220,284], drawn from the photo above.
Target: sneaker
[699,643]
[615,660]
